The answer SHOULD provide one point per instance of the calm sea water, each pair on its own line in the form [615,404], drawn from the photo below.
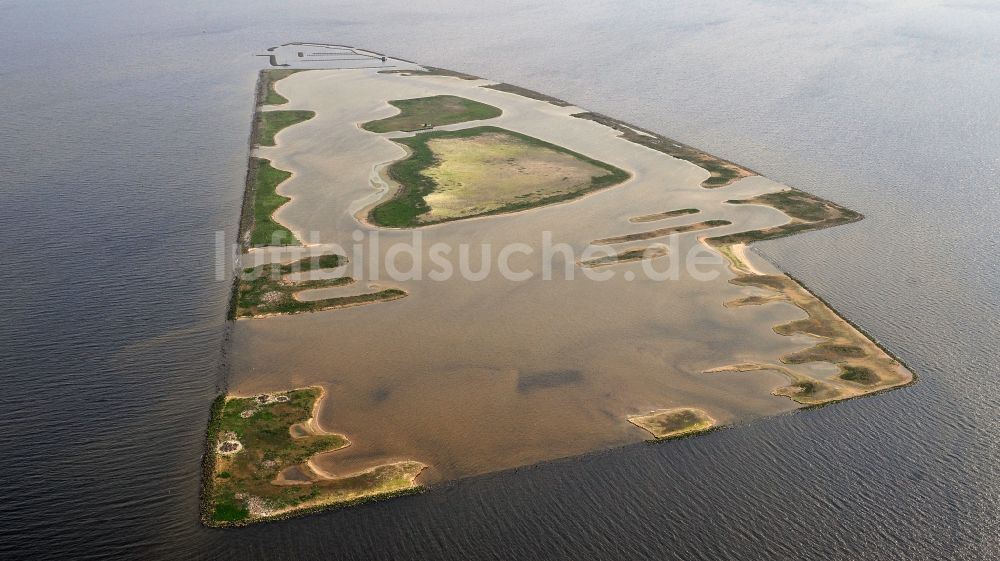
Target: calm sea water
[125,130]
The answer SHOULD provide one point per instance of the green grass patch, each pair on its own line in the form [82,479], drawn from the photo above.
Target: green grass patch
[661,232]
[806,389]
[432,71]
[800,205]
[257,442]
[628,256]
[825,352]
[722,174]
[858,375]
[264,180]
[680,420]
[269,123]
[404,208]
[269,78]
[674,423]
[264,290]
[267,448]
[228,509]
[808,212]
[663,215]
[434,111]
[525,92]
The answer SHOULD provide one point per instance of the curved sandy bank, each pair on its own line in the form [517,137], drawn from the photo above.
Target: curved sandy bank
[260,477]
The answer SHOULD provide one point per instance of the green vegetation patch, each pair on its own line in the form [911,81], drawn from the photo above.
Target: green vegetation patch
[825,352]
[663,215]
[258,465]
[661,232]
[808,391]
[636,254]
[806,388]
[673,423]
[432,71]
[808,213]
[498,157]
[819,326]
[434,111]
[753,301]
[266,290]
[802,206]
[252,443]
[270,123]
[264,180]
[774,282]
[268,78]
[859,375]
[525,92]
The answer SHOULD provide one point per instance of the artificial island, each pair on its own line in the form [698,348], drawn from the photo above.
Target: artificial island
[352,382]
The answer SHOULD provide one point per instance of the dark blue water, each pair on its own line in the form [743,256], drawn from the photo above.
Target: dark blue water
[124,133]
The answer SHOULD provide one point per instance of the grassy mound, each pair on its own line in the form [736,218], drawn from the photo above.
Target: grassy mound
[253,441]
[808,212]
[525,92]
[661,232]
[434,111]
[267,447]
[264,180]
[270,123]
[663,215]
[859,375]
[266,290]
[628,256]
[268,78]
[479,171]
[673,423]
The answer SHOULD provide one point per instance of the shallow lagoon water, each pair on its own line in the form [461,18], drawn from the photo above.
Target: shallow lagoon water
[112,341]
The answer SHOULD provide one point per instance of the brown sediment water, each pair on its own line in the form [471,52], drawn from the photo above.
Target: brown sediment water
[473,376]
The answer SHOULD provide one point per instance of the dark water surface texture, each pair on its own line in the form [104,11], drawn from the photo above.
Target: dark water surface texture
[124,150]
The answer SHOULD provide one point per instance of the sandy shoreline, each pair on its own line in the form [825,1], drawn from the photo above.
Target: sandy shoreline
[741,252]
[829,328]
